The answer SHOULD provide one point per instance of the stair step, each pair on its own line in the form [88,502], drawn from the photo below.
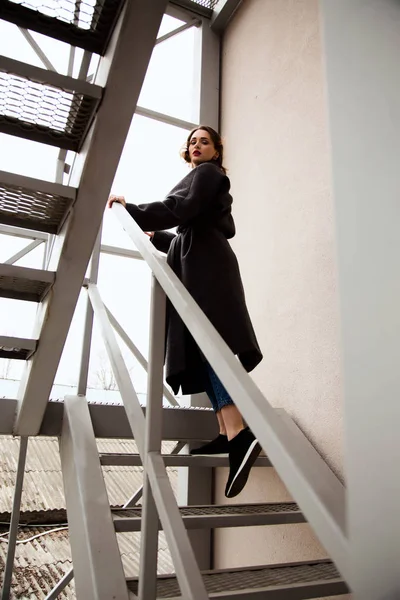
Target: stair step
[23,283]
[96,21]
[292,581]
[44,106]
[204,8]
[175,460]
[210,517]
[16,348]
[34,204]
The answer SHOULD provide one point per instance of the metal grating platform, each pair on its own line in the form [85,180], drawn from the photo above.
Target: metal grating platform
[209,517]
[280,581]
[87,23]
[36,108]
[38,209]
[203,8]
[176,460]
[16,348]
[21,283]
[207,3]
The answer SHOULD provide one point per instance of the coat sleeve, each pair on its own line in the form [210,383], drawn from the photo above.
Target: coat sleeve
[181,206]
[162,240]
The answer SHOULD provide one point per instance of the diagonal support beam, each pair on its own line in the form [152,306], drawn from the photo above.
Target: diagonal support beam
[37,49]
[123,70]
[178,30]
[60,586]
[134,411]
[16,257]
[136,353]
[163,118]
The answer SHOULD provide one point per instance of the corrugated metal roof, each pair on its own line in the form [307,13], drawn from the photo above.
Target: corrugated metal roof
[43,484]
[41,563]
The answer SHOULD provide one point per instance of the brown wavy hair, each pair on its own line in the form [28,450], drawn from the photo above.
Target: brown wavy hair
[217,141]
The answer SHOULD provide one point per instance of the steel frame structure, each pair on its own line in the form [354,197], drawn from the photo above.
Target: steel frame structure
[342,522]
[37,238]
[318,492]
[158,496]
[73,246]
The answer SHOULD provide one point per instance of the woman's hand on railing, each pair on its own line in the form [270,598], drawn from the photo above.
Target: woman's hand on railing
[119,199]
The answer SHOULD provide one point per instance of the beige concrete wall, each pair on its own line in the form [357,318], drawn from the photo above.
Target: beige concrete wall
[274,121]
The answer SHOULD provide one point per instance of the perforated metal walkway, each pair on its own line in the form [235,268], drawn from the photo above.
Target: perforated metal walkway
[22,283]
[34,204]
[44,106]
[320,577]
[210,517]
[86,24]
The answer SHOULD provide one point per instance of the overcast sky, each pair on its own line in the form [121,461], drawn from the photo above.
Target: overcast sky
[150,166]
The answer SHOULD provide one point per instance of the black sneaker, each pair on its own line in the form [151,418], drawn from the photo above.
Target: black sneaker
[218,446]
[243,451]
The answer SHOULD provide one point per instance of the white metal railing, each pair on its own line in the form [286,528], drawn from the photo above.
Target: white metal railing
[133,501]
[316,489]
[158,496]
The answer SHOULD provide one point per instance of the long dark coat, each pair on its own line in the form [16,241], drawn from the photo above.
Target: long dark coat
[202,258]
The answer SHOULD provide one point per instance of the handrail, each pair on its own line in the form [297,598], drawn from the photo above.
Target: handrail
[316,489]
[155,472]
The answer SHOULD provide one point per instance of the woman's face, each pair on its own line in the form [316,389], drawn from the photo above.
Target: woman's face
[201,148]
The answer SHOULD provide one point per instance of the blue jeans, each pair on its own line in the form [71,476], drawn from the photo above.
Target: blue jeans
[218,395]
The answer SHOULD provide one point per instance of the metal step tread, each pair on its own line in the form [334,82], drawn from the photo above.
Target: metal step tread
[23,283]
[44,106]
[203,8]
[210,516]
[175,460]
[270,581]
[34,204]
[96,20]
[16,348]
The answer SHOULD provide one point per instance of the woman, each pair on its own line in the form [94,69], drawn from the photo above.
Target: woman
[200,255]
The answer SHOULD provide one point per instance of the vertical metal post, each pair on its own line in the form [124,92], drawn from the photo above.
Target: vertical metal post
[362,46]
[149,537]
[195,485]
[62,155]
[83,71]
[16,509]
[85,64]
[207,76]
[45,250]
[88,327]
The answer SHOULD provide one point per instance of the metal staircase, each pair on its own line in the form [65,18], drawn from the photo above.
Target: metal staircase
[308,579]
[34,204]
[44,106]
[91,120]
[88,25]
